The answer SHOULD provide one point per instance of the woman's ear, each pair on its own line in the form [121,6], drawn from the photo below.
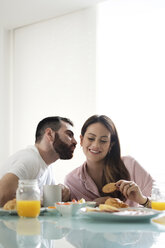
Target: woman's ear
[81,140]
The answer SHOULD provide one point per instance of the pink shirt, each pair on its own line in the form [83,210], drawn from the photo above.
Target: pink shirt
[82,186]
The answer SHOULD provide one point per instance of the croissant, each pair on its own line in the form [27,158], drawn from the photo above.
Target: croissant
[10,205]
[115,202]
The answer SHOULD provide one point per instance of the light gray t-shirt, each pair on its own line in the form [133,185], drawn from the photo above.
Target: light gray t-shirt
[28,164]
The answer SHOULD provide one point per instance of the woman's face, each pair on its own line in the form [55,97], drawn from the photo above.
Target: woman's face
[96,142]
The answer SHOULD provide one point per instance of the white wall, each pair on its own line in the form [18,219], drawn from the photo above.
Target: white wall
[54,74]
[4,95]
[131,77]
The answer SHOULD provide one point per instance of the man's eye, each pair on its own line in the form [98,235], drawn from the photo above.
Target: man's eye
[90,139]
[70,134]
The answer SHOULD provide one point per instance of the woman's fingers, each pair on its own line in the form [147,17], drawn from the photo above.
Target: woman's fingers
[126,187]
[130,190]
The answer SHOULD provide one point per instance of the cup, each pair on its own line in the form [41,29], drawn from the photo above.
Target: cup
[51,194]
[158,196]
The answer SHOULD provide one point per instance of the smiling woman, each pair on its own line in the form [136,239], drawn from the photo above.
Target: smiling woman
[104,165]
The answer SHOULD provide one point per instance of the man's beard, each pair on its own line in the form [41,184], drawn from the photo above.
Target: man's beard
[65,151]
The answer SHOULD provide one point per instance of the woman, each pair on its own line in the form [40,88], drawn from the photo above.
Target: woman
[104,164]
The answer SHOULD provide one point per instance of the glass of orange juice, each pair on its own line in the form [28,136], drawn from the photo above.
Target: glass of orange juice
[28,198]
[158,196]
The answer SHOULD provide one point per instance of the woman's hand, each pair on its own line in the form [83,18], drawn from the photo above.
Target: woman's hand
[131,191]
[65,193]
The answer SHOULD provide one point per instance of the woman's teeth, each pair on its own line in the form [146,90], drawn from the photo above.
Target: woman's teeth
[94,151]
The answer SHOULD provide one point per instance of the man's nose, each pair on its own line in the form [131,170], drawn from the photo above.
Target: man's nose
[74,141]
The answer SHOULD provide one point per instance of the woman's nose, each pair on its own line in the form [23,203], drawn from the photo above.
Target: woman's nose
[95,143]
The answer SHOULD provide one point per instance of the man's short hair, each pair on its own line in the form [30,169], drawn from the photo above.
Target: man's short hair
[53,122]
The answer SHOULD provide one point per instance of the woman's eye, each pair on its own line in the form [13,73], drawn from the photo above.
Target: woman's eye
[103,141]
[91,139]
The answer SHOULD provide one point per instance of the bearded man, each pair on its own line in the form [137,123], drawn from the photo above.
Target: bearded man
[54,140]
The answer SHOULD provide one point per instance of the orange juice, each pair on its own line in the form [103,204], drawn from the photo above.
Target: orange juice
[28,208]
[158,205]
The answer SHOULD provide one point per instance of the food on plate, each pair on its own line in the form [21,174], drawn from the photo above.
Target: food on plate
[103,208]
[10,205]
[108,208]
[82,200]
[89,209]
[160,220]
[51,207]
[109,188]
[110,205]
[115,202]
[64,203]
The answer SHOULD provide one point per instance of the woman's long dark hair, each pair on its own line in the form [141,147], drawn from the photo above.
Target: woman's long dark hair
[114,168]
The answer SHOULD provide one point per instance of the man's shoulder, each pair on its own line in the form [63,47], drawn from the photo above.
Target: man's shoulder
[24,157]
[28,152]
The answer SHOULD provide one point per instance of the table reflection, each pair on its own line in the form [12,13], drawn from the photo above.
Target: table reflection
[84,238]
[28,232]
[7,235]
[48,231]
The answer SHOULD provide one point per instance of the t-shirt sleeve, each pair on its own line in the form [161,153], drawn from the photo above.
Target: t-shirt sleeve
[23,165]
[20,170]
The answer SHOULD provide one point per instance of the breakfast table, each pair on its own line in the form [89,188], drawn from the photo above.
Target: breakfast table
[51,230]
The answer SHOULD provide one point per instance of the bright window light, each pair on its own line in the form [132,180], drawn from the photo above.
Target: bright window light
[131,77]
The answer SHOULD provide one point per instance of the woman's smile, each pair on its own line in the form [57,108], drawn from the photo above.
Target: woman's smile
[94,151]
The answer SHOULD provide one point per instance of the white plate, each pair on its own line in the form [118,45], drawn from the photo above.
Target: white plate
[7,212]
[14,212]
[127,214]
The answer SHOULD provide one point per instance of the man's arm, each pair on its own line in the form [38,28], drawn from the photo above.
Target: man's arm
[8,187]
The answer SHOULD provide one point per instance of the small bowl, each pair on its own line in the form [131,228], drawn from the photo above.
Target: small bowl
[70,208]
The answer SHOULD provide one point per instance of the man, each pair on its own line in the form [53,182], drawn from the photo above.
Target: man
[54,140]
